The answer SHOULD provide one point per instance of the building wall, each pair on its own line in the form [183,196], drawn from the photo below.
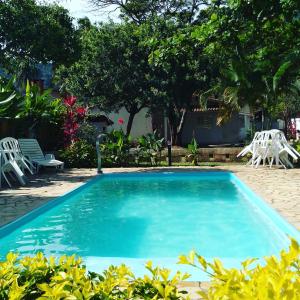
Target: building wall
[44,72]
[202,126]
[142,122]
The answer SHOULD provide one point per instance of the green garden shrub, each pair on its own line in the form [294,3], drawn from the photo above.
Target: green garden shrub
[80,154]
[88,133]
[149,148]
[115,151]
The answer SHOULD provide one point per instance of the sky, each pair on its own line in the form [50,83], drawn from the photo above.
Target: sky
[82,8]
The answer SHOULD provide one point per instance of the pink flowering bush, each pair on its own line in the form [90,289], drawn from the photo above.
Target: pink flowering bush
[74,115]
[292,130]
[77,153]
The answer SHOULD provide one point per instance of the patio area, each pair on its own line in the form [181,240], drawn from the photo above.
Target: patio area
[278,187]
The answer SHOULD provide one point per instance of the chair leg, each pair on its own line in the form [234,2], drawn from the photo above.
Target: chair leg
[28,167]
[271,163]
[24,166]
[19,174]
[258,161]
[4,176]
[249,162]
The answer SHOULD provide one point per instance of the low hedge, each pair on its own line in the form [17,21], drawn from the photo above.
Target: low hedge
[67,278]
[41,278]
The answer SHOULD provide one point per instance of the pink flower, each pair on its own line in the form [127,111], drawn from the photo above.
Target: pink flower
[70,114]
[121,121]
[70,100]
[81,111]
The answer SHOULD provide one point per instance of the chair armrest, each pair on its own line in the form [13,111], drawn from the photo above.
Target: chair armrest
[49,156]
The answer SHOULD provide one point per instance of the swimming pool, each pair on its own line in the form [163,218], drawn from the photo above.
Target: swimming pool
[131,218]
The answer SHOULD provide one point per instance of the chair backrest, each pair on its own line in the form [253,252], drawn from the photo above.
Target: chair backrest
[31,149]
[10,149]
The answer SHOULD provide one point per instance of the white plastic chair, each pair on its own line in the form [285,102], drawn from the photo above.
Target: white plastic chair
[270,146]
[249,148]
[13,160]
[32,150]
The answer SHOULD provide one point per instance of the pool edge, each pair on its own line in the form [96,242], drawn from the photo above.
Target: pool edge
[279,220]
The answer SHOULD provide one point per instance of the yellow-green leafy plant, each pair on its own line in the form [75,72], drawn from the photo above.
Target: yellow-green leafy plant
[67,278]
[278,278]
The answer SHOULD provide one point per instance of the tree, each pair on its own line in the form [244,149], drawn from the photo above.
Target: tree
[183,70]
[140,11]
[31,33]
[112,72]
[239,52]
[252,48]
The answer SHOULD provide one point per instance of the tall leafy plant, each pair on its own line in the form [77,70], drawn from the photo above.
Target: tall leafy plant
[116,149]
[8,95]
[193,152]
[38,105]
[150,147]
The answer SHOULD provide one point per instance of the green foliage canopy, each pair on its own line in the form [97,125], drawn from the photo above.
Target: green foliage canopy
[31,33]
[254,45]
[139,11]
[113,70]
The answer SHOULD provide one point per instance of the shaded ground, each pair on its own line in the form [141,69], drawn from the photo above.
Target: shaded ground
[40,189]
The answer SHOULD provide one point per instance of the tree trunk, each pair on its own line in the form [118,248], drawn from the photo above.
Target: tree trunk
[180,127]
[176,126]
[130,121]
[32,129]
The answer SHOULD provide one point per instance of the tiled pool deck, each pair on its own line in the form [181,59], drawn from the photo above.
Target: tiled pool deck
[278,187]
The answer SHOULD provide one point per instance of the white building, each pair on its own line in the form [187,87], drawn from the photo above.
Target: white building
[142,122]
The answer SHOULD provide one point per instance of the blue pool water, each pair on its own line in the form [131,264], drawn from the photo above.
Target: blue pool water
[135,217]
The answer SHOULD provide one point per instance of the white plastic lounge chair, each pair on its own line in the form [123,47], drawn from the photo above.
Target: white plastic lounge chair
[32,150]
[13,160]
